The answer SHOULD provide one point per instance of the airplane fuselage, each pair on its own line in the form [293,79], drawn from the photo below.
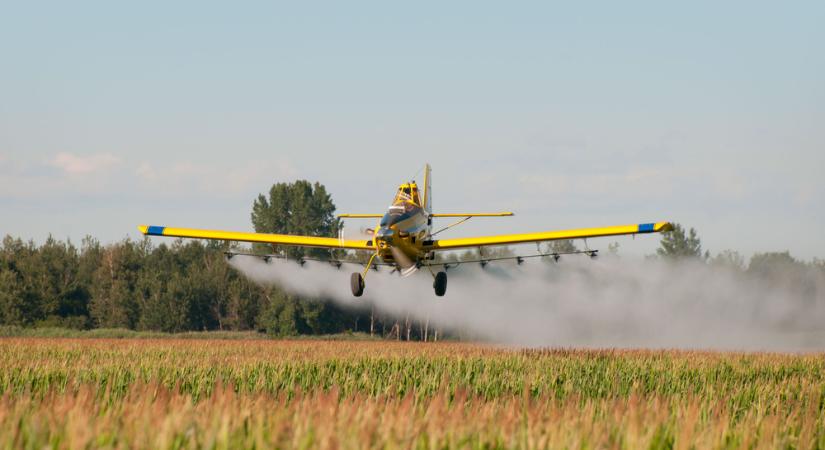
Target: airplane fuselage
[404,228]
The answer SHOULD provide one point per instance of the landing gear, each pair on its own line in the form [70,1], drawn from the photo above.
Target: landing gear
[356,282]
[440,283]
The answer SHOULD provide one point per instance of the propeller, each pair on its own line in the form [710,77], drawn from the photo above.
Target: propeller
[408,267]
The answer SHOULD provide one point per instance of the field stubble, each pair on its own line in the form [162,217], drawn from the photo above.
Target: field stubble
[73,393]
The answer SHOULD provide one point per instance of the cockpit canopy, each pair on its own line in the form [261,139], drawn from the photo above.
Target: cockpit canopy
[406,200]
[407,193]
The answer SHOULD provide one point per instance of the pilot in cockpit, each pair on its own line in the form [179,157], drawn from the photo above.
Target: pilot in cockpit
[407,193]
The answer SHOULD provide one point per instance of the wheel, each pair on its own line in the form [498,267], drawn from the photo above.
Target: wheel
[356,282]
[440,283]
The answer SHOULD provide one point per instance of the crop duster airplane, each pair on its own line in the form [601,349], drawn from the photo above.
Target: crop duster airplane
[404,237]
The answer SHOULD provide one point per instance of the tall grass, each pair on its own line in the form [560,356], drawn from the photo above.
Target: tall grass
[227,394]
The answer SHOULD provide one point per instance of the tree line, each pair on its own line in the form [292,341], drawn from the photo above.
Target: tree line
[188,285]
[181,285]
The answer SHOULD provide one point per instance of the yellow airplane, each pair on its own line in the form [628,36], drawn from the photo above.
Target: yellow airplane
[404,239]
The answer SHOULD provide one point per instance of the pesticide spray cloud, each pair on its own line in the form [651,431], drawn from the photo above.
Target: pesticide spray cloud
[577,302]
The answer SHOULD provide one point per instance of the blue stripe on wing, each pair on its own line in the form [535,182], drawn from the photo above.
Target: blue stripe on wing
[155,230]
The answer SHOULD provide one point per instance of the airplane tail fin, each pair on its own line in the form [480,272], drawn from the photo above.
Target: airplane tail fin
[428,193]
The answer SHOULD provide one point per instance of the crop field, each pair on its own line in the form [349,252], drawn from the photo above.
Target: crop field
[173,393]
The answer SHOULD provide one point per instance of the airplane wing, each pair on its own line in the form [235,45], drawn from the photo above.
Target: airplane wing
[264,238]
[505,239]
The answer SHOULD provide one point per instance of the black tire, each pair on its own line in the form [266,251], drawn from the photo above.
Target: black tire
[356,282]
[440,283]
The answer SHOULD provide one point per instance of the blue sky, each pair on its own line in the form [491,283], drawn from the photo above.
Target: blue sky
[570,114]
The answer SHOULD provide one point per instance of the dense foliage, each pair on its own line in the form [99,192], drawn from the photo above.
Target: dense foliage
[300,208]
[680,244]
[137,285]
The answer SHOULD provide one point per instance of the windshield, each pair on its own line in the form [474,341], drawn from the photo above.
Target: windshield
[392,217]
[407,195]
[401,197]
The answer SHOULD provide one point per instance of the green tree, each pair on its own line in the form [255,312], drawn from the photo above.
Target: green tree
[12,310]
[114,302]
[793,277]
[243,304]
[187,287]
[296,208]
[279,316]
[299,208]
[772,264]
[43,284]
[729,258]
[678,244]
[68,295]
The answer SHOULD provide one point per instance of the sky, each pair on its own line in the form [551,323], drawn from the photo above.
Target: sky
[570,114]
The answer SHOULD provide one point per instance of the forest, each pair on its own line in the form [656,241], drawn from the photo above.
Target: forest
[178,286]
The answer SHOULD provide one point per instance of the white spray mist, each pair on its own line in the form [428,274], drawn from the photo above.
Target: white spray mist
[578,302]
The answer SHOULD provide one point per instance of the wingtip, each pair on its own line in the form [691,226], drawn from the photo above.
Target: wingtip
[143,229]
[665,226]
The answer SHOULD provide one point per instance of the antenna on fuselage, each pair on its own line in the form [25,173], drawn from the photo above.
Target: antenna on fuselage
[416,174]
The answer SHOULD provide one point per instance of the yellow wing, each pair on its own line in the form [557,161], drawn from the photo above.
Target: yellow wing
[265,238]
[449,244]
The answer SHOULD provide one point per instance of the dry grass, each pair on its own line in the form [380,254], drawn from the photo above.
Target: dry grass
[66,393]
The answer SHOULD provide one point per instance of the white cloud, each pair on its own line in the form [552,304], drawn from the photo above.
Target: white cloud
[145,171]
[72,164]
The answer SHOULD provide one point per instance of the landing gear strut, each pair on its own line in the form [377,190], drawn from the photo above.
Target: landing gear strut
[440,283]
